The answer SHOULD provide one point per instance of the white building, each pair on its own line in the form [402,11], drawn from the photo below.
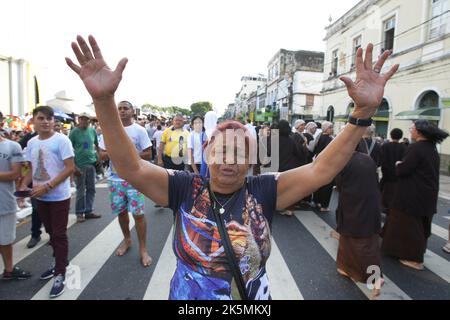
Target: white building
[294,84]
[249,84]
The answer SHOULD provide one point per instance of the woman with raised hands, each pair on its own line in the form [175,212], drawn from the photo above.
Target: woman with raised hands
[229,200]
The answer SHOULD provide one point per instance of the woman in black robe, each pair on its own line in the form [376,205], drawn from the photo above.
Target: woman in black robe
[323,195]
[408,225]
[292,152]
[358,218]
[391,153]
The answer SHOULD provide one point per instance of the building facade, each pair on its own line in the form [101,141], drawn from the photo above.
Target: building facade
[244,106]
[19,89]
[294,84]
[418,33]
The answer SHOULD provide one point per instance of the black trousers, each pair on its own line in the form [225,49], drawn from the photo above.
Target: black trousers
[323,195]
[168,164]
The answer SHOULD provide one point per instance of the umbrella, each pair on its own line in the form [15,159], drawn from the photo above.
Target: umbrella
[59,114]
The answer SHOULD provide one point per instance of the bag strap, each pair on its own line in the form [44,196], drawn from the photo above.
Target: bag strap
[228,249]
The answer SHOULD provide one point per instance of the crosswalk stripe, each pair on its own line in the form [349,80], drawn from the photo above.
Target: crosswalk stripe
[437,265]
[89,261]
[320,230]
[281,282]
[159,286]
[439,231]
[20,250]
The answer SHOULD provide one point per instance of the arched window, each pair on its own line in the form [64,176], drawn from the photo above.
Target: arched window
[429,100]
[330,114]
[350,108]
[384,106]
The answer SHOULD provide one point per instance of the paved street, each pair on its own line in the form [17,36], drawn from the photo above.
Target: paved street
[302,264]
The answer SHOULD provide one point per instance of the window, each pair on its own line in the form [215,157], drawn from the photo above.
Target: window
[309,100]
[439,18]
[334,63]
[356,46]
[389,34]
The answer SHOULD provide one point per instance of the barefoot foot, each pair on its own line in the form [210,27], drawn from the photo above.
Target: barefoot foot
[123,248]
[146,260]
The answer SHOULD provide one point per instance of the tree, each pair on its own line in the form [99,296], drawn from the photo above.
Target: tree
[201,108]
[174,110]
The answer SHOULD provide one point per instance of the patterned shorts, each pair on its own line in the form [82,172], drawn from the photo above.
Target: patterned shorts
[124,197]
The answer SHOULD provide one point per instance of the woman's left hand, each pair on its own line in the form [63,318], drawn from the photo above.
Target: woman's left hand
[368,89]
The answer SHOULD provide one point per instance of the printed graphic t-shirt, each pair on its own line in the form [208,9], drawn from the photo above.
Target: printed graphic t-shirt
[140,139]
[47,161]
[203,271]
[10,152]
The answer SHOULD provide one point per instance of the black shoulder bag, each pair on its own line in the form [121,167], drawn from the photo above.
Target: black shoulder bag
[228,250]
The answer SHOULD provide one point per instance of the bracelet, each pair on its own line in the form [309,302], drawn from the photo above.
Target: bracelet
[49,185]
[360,122]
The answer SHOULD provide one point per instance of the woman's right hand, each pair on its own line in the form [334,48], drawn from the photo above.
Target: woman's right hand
[100,81]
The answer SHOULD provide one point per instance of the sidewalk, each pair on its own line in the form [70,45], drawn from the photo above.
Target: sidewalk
[444,187]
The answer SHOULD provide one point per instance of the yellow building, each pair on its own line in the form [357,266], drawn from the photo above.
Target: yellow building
[418,32]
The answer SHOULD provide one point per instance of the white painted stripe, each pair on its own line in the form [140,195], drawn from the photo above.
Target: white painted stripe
[321,232]
[444,196]
[159,286]
[20,250]
[101,185]
[448,218]
[439,231]
[281,282]
[89,261]
[437,265]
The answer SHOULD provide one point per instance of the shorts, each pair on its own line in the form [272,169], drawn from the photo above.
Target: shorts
[124,197]
[7,229]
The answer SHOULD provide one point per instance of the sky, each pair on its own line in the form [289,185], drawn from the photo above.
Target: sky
[179,51]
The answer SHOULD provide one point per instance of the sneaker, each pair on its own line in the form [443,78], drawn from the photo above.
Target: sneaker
[80,218]
[16,274]
[58,286]
[33,242]
[50,273]
[92,216]
[446,248]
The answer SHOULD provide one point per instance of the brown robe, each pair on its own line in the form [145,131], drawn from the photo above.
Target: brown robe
[358,217]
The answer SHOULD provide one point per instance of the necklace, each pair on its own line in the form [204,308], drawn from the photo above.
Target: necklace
[222,206]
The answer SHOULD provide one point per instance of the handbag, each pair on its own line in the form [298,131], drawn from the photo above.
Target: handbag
[238,280]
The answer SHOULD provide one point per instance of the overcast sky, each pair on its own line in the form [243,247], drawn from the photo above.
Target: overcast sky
[179,51]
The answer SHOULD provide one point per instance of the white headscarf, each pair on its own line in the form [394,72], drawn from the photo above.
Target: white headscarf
[210,123]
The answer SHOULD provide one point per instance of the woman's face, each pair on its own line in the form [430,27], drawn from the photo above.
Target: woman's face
[414,133]
[228,163]
[198,125]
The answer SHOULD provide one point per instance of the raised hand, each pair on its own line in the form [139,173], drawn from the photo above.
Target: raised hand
[368,89]
[100,81]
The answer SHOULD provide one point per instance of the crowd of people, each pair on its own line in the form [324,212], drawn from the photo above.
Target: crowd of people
[223,202]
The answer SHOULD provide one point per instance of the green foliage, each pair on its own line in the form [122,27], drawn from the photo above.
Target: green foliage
[201,108]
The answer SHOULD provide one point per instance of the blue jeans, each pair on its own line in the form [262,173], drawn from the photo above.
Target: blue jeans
[85,190]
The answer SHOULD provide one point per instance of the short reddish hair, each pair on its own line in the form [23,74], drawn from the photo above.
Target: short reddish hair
[232,125]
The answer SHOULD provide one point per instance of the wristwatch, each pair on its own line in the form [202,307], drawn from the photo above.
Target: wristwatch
[360,122]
